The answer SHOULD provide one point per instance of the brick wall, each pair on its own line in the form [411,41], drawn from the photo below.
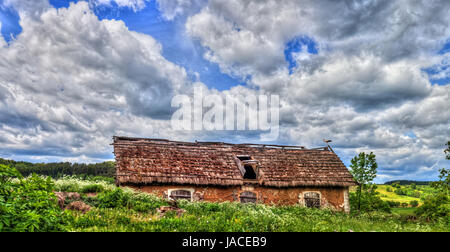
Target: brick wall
[331,197]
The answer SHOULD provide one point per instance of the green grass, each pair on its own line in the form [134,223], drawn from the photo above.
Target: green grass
[123,209]
[405,211]
[127,210]
[235,217]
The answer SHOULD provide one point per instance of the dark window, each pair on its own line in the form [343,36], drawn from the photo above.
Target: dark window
[180,194]
[243,158]
[312,200]
[248,197]
[249,172]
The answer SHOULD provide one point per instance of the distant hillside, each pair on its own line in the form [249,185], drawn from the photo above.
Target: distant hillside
[408,182]
[57,170]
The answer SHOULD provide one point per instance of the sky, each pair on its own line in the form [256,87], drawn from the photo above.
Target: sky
[371,76]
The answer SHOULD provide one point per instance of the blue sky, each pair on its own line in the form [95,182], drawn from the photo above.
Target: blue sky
[349,78]
[176,47]
[10,23]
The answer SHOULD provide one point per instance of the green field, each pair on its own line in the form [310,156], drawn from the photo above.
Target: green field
[391,196]
[422,190]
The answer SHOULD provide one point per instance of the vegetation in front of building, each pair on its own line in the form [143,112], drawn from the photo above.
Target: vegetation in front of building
[29,204]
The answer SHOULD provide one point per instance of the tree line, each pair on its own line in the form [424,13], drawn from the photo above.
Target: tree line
[57,170]
[407,182]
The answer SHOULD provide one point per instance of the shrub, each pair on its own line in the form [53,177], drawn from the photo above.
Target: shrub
[370,202]
[128,198]
[113,199]
[28,204]
[434,207]
[415,194]
[396,185]
[143,202]
[400,191]
[393,204]
[404,204]
[414,203]
[94,188]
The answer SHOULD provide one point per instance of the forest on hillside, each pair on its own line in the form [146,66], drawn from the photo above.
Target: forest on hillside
[60,169]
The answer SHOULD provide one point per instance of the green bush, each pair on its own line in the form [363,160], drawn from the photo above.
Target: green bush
[68,188]
[113,199]
[415,194]
[94,188]
[400,191]
[143,202]
[393,204]
[435,207]
[28,204]
[370,202]
[414,203]
[120,198]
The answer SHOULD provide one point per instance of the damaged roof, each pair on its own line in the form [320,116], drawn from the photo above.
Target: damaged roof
[146,161]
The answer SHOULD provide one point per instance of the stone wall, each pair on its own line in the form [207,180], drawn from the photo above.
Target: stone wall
[335,198]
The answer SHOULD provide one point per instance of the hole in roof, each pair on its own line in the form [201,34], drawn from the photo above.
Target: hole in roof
[249,172]
[243,158]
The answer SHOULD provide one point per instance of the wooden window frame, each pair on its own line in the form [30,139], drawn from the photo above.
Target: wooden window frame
[318,199]
[251,196]
[190,190]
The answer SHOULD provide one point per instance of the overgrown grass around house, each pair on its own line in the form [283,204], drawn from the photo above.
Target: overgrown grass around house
[123,209]
[236,217]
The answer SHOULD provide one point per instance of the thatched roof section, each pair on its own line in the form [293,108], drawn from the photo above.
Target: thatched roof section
[146,161]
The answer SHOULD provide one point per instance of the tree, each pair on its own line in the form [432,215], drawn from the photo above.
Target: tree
[443,185]
[447,151]
[438,205]
[364,170]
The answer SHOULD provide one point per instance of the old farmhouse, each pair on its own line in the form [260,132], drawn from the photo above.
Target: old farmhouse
[214,171]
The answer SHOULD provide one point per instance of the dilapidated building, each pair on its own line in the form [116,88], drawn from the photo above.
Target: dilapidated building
[213,171]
